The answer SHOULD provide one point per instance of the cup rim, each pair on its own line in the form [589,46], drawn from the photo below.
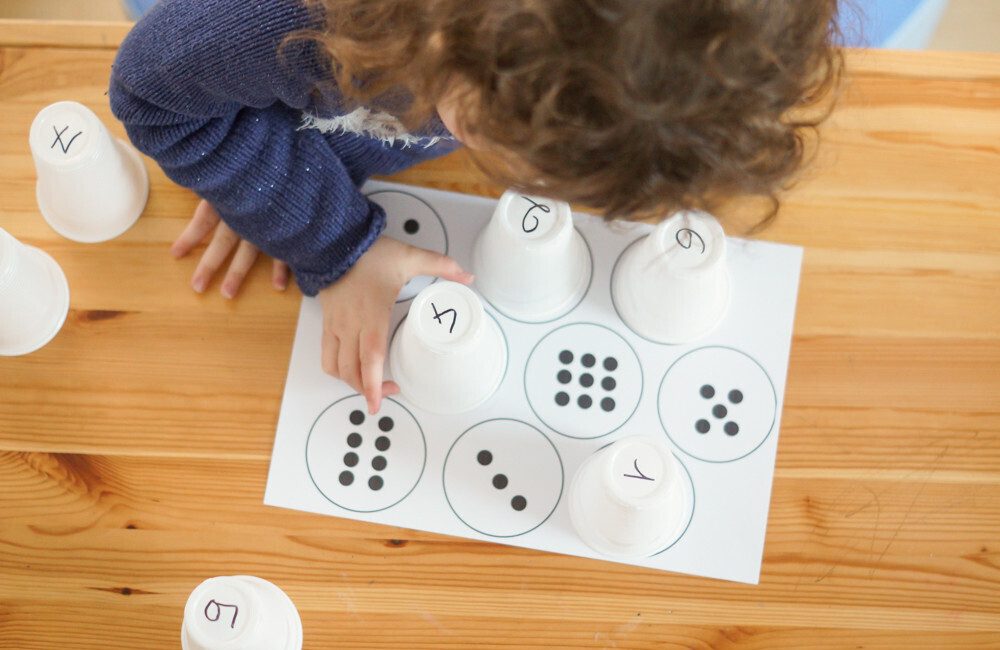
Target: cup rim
[58,278]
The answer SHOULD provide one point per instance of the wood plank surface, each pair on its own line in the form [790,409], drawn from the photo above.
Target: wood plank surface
[134,448]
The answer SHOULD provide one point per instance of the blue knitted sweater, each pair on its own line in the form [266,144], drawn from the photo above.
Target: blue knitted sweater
[263,135]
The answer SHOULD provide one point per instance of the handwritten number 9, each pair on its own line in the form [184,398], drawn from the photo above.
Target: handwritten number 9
[218,611]
[688,242]
[524,220]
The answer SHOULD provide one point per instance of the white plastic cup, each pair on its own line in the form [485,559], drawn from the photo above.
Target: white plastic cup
[628,499]
[91,187]
[34,297]
[529,260]
[448,356]
[240,613]
[673,285]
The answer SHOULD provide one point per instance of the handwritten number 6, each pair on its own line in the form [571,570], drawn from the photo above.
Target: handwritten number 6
[218,611]
[524,220]
[689,241]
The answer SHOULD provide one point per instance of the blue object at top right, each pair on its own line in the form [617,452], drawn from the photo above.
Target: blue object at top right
[890,24]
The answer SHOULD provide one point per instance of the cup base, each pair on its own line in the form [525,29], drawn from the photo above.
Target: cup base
[294,620]
[58,280]
[132,158]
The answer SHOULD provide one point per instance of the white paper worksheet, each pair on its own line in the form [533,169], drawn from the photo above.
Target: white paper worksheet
[501,472]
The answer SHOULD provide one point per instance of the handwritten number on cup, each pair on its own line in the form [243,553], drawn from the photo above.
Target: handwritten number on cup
[59,141]
[638,472]
[686,238]
[524,220]
[439,315]
[216,608]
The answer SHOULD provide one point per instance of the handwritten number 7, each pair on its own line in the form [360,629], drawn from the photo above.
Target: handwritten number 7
[218,611]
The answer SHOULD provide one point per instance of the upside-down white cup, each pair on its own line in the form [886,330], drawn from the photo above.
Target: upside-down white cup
[240,613]
[34,297]
[91,187]
[628,499]
[673,285]
[447,356]
[529,260]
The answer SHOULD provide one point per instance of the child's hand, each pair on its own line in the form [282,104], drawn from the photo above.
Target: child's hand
[223,242]
[356,311]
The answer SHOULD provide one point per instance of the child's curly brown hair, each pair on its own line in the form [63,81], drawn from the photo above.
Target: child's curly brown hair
[632,107]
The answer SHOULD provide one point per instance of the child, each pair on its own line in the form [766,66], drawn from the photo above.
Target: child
[275,111]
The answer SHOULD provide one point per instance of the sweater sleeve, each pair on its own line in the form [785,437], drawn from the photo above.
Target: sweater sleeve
[202,88]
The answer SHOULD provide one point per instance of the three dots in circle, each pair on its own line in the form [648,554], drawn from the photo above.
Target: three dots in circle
[586,380]
[518,502]
[719,411]
[355,440]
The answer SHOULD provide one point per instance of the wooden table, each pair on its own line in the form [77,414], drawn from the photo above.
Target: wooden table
[134,448]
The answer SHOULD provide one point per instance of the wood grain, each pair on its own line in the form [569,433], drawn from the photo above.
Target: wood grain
[134,448]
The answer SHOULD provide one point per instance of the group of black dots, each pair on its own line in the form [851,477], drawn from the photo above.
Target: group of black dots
[518,503]
[588,360]
[354,440]
[719,411]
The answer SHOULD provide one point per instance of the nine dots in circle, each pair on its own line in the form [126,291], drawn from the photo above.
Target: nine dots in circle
[719,411]
[585,401]
[355,439]
[500,481]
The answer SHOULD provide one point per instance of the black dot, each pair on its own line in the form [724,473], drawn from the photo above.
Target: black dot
[354,440]
[411,226]
[381,443]
[719,411]
[702,426]
[586,380]
[588,360]
[386,423]
[564,376]
[735,396]
[376,483]
[608,404]
[499,481]
[608,383]
[519,503]
[562,399]
[610,364]
[566,356]
[357,417]
[731,428]
[346,478]
[584,401]
[350,459]
[707,392]
[379,463]
[484,457]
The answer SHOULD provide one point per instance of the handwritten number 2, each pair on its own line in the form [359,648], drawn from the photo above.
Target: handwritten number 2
[439,315]
[218,611]
[524,220]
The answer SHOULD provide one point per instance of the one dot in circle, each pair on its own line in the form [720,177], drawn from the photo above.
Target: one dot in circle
[346,477]
[564,376]
[588,360]
[566,356]
[381,443]
[484,457]
[379,463]
[411,226]
[610,364]
[731,428]
[499,481]
[702,426]
[350,459]
[586,380]
[719,411]
[376,483]
[357,417]
[386,423]
[584,401]
[354,440]
[735,396]
[707,391]
[608,404]
[562,399]
[608,383]
[519,503]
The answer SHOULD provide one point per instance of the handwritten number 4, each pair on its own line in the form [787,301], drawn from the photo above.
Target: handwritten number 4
[59,141]
[438,315]
[218,611]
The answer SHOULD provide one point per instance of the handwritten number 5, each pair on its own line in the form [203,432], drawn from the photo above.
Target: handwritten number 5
[218,611]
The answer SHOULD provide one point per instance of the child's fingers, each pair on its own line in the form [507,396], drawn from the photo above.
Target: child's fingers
[347,362]
[242,262]
[279,275]
[218,249]
[372,358]
[389,388]
[434,263]
[329,352]
[205,218]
